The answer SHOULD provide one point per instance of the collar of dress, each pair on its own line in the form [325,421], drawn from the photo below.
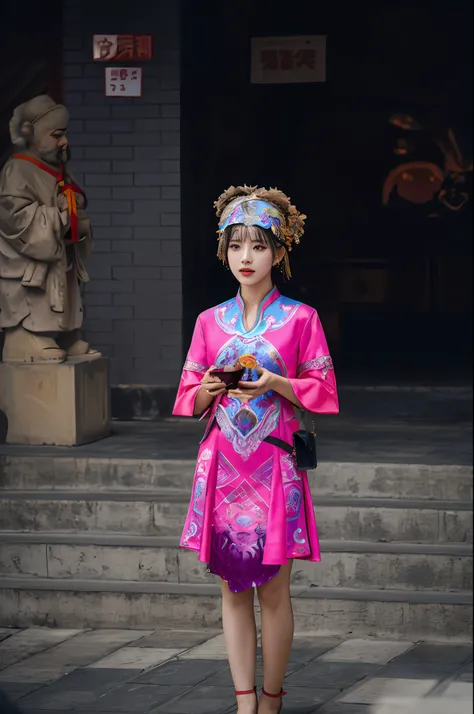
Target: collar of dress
[270,298]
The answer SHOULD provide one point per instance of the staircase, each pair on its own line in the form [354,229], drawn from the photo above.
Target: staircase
[89,541]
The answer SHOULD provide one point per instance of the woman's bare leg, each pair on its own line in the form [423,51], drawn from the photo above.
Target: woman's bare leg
[240,633]
[277,635]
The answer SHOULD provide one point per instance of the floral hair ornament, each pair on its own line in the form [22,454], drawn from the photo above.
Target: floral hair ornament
[267,208]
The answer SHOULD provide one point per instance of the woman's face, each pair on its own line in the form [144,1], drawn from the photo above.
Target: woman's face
[249,255]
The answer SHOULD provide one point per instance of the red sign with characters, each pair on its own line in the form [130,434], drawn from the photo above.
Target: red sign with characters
[122,48]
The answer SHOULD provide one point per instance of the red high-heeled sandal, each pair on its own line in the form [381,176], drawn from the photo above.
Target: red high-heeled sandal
[280,695]
[248,691]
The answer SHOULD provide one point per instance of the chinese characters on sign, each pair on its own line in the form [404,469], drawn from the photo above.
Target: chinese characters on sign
[284,60]
[123,82]
[122,48]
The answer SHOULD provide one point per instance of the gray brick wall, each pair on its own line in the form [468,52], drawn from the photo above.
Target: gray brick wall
[126,155]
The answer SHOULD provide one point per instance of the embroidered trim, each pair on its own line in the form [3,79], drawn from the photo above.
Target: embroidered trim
[324,363]
[264,473]
[246,445]
[195,367]
[226,473]
[274,313]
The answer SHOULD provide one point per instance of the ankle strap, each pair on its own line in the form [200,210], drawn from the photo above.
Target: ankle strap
[281,693]
[247,691]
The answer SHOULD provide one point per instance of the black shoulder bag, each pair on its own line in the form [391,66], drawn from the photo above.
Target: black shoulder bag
[303,449]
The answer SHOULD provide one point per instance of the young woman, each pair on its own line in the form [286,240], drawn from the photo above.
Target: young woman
[251,511]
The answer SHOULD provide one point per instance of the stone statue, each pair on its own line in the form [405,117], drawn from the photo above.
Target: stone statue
[44,237]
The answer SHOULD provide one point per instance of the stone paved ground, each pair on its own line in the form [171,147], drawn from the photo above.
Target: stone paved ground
[50,671]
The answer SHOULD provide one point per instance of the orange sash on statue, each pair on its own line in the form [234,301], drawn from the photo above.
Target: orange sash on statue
[68,189]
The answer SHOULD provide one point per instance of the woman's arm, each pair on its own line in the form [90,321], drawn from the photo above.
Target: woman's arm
[203,402]
[267,382]
[211,387]
[283,387]
[192,398]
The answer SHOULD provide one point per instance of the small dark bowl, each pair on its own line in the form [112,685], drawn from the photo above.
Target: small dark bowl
[230,379]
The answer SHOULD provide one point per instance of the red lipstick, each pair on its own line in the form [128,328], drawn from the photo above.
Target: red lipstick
[247,272]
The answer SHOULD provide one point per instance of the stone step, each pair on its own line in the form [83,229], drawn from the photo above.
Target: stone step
[162,513]
[395,614]
[366,480]
[403,566]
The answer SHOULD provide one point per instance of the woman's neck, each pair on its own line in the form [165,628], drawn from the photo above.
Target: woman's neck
[252,295]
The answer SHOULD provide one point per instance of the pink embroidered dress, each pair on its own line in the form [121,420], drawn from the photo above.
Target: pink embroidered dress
[251,509]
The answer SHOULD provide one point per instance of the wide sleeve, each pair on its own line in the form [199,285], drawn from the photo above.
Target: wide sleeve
[194,368]
[315,382]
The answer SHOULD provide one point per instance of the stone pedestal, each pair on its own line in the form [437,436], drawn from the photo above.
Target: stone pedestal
[62,404]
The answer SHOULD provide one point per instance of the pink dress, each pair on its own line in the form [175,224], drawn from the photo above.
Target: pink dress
[251,509]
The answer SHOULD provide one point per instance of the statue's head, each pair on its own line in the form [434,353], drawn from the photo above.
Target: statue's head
[40,125]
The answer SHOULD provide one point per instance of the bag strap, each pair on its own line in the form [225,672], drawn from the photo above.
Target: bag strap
[275,441]
[303,421]
[299,416]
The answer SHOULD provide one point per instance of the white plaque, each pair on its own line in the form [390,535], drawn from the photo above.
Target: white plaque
[123,81]
[286,60]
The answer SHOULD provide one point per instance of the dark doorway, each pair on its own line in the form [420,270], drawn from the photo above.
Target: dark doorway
[392,285]
[31,58]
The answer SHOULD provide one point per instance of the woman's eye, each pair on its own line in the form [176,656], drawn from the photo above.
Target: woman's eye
[234,246]
[260,247]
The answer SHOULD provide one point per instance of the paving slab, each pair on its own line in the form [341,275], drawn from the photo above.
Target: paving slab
[135,658]
[307,701]
[465,673]
[307,649]
[200,700]
[389,690]
[429,661]
[136,698]
[61,711]
[356,676]
[51,700]
[421,706]
[78,651]
[454,691]
[183,639]
[212,649]
[336,675]
[94,681]
[15,690]
[224,677]
[418,706]
[367,650]
[7,632]
[339,708]
[423,653]
[28,642]
[187,673]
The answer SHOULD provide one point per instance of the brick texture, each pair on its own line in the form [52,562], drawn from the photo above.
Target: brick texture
[126,155]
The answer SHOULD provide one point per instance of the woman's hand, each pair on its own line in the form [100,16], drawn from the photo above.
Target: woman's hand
[212,384]
[211,387]
[251,390]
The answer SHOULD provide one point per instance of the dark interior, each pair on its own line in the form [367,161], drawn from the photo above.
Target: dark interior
[392,284]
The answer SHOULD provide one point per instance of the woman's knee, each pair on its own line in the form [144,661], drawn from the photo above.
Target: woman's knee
[276,592]
[243,599]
